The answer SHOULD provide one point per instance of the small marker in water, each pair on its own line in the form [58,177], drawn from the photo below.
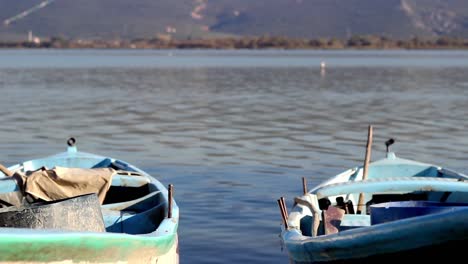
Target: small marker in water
[322,69]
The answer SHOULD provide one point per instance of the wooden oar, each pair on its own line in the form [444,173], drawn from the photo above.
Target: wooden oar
[283,203]
[304,185]
[366,166]
[284,215]
[5,171]
[170,193]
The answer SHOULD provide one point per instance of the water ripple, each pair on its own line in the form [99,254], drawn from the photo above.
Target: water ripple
[235,137]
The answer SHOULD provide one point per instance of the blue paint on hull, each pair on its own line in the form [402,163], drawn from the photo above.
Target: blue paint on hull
[357,238]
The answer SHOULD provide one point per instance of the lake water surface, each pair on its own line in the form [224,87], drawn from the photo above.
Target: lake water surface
[235,130]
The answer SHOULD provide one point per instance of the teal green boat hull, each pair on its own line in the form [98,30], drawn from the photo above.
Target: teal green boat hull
[49,247]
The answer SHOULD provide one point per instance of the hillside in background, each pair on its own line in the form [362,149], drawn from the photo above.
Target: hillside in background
[129,19]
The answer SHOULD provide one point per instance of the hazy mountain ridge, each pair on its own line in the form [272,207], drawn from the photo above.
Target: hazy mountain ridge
[439,17]
[197,18]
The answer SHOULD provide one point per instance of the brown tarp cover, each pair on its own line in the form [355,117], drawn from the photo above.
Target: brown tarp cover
[60,182]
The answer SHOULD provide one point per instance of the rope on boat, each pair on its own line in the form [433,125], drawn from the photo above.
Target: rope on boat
[315,214]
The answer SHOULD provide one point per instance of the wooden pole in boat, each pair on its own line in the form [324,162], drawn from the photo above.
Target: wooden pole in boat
[6,171]
[366,167]
[283,202]
[283,213]
[169,207]
[304,185]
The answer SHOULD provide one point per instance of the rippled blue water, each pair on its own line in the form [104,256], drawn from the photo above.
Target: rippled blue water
[235,130]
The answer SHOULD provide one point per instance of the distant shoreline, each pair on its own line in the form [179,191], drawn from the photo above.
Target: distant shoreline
[264,42]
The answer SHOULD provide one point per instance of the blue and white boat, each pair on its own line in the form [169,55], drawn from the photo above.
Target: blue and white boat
[135,219]
[409,209]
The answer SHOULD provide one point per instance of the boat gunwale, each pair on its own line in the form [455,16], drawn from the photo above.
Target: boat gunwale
[415,183]
[165,228]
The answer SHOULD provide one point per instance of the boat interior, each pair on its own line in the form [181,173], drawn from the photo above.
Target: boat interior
[413,189]
[132,205]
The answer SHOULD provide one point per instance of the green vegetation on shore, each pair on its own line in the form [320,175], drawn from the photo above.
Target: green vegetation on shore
[263,42]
